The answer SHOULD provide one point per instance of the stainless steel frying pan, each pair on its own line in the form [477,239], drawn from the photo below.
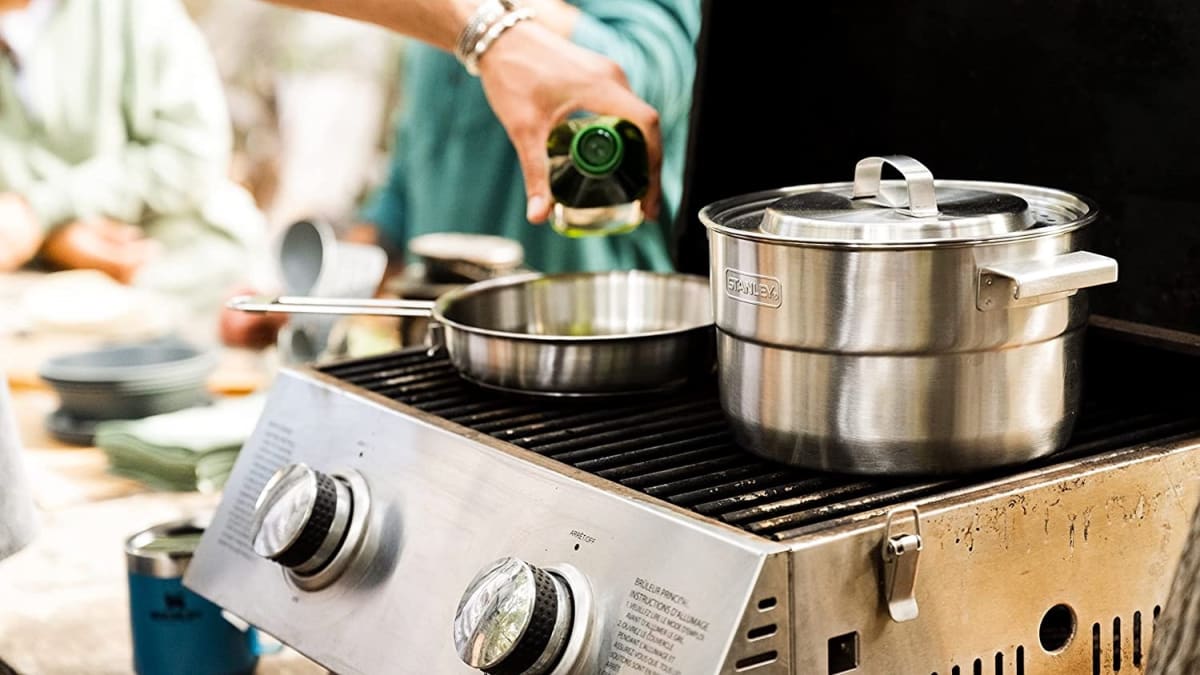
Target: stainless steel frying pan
[580,334]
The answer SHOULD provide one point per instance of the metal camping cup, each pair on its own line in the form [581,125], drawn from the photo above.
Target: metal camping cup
[175,630]
[313,262]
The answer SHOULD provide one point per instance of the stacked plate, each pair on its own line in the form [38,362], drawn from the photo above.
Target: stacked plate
[125,381]
[191,449]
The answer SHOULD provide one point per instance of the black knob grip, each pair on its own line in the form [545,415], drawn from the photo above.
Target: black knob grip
[317,527]
[537,636]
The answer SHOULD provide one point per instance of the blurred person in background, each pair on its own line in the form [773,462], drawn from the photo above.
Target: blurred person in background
[115,147]
[309,96]
[469,153]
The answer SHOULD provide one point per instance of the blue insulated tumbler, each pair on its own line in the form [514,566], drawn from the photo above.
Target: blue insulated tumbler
[175,631]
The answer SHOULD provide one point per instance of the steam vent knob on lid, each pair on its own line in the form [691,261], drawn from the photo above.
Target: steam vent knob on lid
[300,518]
[513,619]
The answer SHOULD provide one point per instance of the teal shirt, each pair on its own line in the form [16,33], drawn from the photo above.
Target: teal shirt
[453,168]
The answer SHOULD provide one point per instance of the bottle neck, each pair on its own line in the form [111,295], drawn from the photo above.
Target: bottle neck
[597,149]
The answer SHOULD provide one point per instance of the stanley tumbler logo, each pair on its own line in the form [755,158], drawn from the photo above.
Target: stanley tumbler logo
[173,601]
[753,288]
[174,609]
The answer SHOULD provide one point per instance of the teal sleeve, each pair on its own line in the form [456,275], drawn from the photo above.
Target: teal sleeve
[654,42]
[385,207]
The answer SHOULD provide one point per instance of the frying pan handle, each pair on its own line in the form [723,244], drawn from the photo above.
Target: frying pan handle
[350,306]
[435,338]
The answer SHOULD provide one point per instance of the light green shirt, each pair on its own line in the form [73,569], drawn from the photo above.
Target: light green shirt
[453,167]
[128,121]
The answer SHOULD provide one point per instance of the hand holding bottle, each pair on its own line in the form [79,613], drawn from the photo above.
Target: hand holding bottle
[536,79]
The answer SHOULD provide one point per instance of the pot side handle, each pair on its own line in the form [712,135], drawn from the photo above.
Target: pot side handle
[1030,282]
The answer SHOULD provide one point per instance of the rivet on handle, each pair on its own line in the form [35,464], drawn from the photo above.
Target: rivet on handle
[922,201]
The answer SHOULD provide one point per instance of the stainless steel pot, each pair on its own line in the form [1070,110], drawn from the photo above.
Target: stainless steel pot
[586,334]
[913,326]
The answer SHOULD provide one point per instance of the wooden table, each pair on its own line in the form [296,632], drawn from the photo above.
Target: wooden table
[64,600]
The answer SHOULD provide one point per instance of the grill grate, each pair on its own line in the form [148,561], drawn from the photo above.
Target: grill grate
[678,447]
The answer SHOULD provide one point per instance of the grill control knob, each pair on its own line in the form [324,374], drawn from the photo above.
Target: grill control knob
[301,517]
[514,619]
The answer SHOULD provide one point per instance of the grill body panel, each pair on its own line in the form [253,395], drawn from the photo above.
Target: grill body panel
[783,566]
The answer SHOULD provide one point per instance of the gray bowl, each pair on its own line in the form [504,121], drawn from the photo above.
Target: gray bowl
[131,380]
[131,363]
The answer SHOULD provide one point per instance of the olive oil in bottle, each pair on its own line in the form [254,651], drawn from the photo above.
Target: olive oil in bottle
[598,176]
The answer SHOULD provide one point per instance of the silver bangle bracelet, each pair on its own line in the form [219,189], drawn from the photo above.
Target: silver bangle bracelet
[507,21]
[485,15]
[490,19]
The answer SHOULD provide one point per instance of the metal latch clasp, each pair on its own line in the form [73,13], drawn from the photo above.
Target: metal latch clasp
[901,552]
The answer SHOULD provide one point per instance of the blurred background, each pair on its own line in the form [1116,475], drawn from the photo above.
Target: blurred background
[127,411]
[311,98]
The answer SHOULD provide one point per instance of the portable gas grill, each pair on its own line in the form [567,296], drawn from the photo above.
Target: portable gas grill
[673,551]
[408,522]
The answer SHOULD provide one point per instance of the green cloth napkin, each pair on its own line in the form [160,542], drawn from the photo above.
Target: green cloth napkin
[188,450]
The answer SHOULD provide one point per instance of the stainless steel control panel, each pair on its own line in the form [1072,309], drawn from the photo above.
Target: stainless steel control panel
[651,589]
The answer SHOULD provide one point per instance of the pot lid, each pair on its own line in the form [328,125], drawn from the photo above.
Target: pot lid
[483,251]
[914,209]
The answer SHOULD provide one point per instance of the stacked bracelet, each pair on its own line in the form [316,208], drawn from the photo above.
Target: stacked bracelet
[492,18]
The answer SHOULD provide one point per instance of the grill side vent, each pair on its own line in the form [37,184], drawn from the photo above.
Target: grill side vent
[1122,648]
[997,665]
[762,643]
[759,632]
[756,661]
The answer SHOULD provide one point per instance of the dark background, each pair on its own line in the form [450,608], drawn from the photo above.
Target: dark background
[1099,97]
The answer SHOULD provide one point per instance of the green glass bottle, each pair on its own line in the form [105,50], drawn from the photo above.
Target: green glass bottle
[599,172]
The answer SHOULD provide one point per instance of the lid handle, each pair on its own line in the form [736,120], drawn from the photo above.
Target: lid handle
[868,174]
